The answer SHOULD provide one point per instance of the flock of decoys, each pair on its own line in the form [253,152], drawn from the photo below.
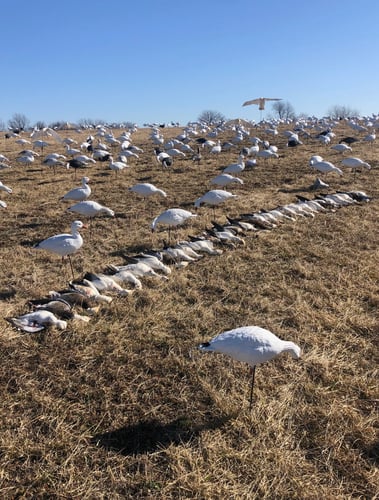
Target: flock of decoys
[250,344]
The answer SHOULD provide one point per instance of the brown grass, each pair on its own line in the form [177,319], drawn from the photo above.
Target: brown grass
[126,407]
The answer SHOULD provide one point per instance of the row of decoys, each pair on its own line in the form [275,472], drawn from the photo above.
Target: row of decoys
[122,280]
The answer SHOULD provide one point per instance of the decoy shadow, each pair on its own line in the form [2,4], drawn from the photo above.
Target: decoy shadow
[151,435]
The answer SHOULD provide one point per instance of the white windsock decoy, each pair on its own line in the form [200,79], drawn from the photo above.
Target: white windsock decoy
[172,217]
[355,163]
[37,321]
[250,344]
[64,244]
[326,167]
[79,193]
[214,197]
[5,188]
[225,179]
[146,190]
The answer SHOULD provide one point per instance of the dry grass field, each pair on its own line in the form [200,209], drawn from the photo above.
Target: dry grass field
[125,406]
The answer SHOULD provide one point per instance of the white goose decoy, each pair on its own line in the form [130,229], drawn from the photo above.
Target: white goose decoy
[36,321]
[79,193]
[90,209]
[64,244]
[214,197]
[5,188]
[315,159]
[341,148]
[225,179]
[235,168]
[3,204]
[103,282]
[172,217]
[326,167]
[355,163]
[217,148]
[250,344]
[117,166]
[146,190]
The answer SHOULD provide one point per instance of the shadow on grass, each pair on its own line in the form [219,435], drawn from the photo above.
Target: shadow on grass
[7,294]
[151,435]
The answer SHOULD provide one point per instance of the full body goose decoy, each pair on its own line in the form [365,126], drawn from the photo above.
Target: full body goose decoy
[146,190]
[90,209]
[251,344]
[64,244]
[326,167]
[225,179]
[172,217]
[213,198]
[79,193]
[355,163]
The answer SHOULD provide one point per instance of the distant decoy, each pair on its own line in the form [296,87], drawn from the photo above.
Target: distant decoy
[250,344]
[225,179]
[173,217]
[90,209]
[146,190]
[341,148]
[214,197]
[355,163]
[326,167]
[348,140]
[79,193]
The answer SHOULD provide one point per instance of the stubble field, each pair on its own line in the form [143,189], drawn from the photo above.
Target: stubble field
[125,406]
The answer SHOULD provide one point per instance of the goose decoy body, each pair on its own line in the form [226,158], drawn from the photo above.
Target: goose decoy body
[36,321]
[80,193]
[64,244]
[250,344]
[214,197]
[146,190]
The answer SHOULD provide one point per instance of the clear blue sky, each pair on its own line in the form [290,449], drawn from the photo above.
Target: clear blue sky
[169,60]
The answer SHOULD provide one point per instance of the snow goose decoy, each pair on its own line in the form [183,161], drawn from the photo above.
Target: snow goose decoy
[36,321]
[213,198]
[235,168]
[173,217]
[79,193]
[64,244]
[146,190]
[341,148]
[355,163]
[5,188]
[225,179]
[104,282]
[250,344]
[90,209]
[326,167]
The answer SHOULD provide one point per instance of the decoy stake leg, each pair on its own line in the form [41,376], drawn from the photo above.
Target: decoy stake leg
[251,388]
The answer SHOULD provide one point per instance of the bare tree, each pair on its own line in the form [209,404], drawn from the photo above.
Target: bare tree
[284,110]
[18,122]
[338,112]
[40,125]
[211,117]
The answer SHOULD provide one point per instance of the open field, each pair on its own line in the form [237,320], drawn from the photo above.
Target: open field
[126,406]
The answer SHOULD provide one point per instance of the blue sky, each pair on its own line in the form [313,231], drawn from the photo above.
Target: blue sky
[165,60]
